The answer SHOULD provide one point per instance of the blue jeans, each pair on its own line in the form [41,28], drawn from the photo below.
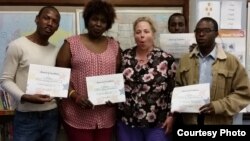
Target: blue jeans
[36,126]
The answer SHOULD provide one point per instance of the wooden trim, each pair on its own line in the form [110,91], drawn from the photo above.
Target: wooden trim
[6,112]
[83,2]
[118,3]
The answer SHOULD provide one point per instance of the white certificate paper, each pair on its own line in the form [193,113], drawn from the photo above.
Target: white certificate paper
[177,44]
[53,81]
[188,99]
[105,88]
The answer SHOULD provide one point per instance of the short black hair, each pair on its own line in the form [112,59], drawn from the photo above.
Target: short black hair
[209,19]
[47,7]
[176,15]
[99,7]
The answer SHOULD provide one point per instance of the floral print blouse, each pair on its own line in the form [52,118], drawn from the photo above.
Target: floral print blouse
[148,88]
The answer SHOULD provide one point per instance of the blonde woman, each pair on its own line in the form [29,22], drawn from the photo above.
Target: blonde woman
[149,79]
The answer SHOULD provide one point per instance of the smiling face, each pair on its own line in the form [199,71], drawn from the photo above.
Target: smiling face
[97,25]
[47,22]
[144,35]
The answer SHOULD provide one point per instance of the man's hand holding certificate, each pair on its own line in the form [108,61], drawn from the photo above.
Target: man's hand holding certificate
[48,80]
[188,99]
[104,88]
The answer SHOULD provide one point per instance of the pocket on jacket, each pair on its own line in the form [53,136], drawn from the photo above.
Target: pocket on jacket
[224,78]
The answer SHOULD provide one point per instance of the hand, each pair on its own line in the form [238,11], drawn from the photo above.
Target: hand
[83,102]
[109,103]
[168,124]
[207,109]
[36,98]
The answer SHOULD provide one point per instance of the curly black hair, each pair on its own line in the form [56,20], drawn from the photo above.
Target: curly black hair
[99,7]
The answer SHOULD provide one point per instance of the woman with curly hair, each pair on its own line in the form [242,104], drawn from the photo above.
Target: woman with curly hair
[89,54]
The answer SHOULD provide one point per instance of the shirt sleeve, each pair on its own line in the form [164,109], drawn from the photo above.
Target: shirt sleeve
[10,65]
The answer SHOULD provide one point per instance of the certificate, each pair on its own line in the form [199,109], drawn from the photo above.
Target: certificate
[177,44]
[105,88]
[188,99]
[49,80]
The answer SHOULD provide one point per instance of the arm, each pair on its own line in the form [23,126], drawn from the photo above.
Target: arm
[119,60]
[13,57]
[236,93]
[169,121]
[239,94]
[8,75]
[64,60]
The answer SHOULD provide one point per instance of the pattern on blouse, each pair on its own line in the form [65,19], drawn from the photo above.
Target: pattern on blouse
[148,88]
[86,63]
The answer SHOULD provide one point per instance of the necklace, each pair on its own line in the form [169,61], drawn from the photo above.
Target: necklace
[141,60]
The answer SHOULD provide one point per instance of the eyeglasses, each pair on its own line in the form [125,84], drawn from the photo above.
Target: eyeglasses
[203,30]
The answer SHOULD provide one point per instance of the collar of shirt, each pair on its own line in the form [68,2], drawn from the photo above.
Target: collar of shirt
[211,55]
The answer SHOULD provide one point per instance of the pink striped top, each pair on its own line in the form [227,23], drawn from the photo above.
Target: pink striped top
[86,63]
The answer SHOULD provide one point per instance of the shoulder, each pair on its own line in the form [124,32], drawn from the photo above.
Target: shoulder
[232,59]
[159,51]
[19,40]
[186,58]
[110,38]
[230,56]
[74,37]
[17,44]
[112,41]
[129,50]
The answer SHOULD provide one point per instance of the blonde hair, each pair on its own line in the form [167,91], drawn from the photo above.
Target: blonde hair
[145,19]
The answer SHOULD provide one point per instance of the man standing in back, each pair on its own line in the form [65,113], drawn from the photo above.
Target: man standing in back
[177,23]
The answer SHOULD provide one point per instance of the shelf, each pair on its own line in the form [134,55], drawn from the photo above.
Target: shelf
[6,112]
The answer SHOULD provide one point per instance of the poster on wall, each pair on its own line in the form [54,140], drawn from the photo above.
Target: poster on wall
[209,9]
[234,42]
[230,11]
